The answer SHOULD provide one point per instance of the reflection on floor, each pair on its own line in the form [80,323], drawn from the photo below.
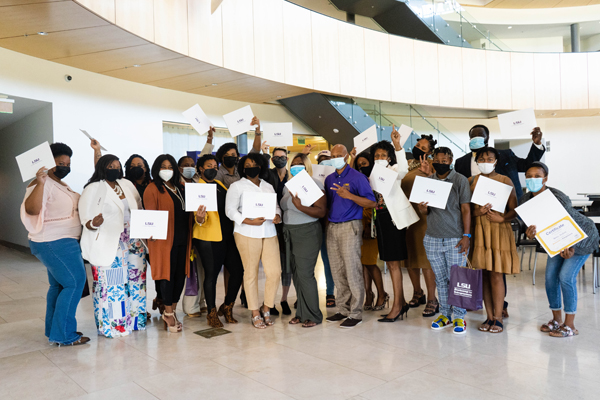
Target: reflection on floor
[372,361]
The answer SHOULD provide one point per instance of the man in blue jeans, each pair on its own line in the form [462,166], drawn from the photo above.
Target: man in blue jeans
[448,235]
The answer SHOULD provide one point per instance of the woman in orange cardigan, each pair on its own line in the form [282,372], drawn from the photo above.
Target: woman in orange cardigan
[169,259]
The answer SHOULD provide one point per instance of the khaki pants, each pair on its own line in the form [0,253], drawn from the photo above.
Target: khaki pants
[252,252]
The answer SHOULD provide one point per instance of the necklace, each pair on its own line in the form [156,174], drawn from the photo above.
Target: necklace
[176,193]
[118,190]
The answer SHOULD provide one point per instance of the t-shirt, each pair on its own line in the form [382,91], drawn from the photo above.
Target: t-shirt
[344,210]
[291,215]
[448,223]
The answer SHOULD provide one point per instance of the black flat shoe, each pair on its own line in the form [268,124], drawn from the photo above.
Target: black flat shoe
[285,308]
[274,311]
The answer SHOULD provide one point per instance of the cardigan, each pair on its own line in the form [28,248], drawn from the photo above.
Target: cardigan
[210,230]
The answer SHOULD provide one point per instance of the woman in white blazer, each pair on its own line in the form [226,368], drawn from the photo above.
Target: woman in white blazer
[118,262]
[392,215]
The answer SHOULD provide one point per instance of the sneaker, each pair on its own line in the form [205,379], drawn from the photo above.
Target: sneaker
[350,323]
[440,322]
[336,318]
[460,326]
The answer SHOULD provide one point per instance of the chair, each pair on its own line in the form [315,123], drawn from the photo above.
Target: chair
[596,256]
[523,242]
[538,249]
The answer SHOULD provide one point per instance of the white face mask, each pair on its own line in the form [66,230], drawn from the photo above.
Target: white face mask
[383,163]
[486,168]
[166,174]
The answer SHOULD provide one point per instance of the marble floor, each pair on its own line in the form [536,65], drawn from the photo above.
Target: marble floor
[405,359]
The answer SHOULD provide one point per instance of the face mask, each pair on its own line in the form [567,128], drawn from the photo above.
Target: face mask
[383,163]
[338,163]
[441,169]
[188,172]
[210,174]
[326,163]
[477,143]
[112,175]
[279,162]
[366,170]
[166,174]
[417,153]
[486,168]
[252,172]
[136,173]
[230,161]
[296,169]
[61,171]
[534,185]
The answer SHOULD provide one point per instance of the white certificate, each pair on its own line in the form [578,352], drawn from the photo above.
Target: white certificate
[239,121]
[91,138]
[320,172]
[382,179]
[305,187]
[198,119]
[556,230]
[278,134]
[366,139]
[493,192]
[258,204]
[32,160]
[405,131]
[201,194]
[146,224]
[517,124]
[432,191]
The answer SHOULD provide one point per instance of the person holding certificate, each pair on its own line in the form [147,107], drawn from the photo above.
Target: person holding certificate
[324,158]
[169,258]
[448,234]
[50,214]
[256,238]
[303,235]
[119,279]
[562,269]
[494,249]
[392,215]
[348,192]
[416,257]
[215,245]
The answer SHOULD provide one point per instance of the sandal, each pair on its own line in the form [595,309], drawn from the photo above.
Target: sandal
[497,327]
[266,315]
[294,321]
[258,322]
[432,308]
[417,299]
[309,324]
[551,326]
[330,301]
[564,331]
[485,327]
[171,328]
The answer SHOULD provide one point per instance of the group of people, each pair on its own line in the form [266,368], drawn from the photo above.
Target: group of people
[350,227]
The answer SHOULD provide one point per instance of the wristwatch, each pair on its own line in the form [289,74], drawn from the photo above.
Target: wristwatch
[467,235]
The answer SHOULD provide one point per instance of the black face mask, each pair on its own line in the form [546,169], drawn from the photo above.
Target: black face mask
[279,162]
[61,171]
[112,175]
[230,162]
[135,173]
[252,172]
[366,170]
[210,174]
[417,153]
[441,169]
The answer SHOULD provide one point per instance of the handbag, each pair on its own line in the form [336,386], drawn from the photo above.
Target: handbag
[466,287]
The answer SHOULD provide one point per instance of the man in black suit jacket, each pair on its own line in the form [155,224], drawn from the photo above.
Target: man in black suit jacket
[508,163]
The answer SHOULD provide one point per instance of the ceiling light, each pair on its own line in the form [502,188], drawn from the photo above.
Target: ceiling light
[510,27]
[553,114]
[136,65]
[43,33]
[215,84]
[278,97]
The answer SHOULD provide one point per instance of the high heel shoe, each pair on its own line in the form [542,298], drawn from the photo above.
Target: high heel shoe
[401,314]
[418,299]
[226,310]
[213,319]
[369,305]
[385,304]
[171,328]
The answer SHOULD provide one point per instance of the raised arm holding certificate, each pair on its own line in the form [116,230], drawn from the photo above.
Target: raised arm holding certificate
[432,191]
[146,224]
[239,121]
[198,119]
[32,160]
[489,191]
[259,205]
[200,194]
[320,172]
[382,179]
[366,139]
[278,135]
[305,188]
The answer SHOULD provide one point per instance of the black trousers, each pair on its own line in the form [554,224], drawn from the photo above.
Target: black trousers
[171,289]
[213,256]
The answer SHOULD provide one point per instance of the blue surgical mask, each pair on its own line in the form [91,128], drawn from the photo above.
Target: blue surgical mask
[338,163]
[534,185]
[296,169]
[188,172]
[477,143]
[326,163]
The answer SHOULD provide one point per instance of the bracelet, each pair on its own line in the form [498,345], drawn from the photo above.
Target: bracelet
[93,226]
[467,235]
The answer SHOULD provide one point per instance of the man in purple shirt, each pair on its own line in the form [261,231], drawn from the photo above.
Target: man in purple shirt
[348,192]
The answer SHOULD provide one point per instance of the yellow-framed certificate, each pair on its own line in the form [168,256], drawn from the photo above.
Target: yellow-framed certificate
[560,235]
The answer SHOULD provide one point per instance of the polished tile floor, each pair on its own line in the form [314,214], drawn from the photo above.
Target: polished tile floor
[372,361]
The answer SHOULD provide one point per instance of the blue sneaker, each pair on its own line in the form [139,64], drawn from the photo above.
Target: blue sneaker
[460,326]
[440,323]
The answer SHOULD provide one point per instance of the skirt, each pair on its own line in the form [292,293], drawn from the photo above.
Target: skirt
[390,240]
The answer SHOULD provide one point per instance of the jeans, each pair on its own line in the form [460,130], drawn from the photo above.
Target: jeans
[561,275]
[328,277]
[66,275]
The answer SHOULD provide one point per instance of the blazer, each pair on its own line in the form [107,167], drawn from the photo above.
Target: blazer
[210,230]
[99,247]
[508,164]
[402,212]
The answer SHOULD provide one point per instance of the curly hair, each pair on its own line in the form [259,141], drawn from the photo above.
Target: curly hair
[60,149]
[102,166]
[224,149]
[443,150]
[430,140]
[389,149]
[259,159]
[204,159]
[128,169]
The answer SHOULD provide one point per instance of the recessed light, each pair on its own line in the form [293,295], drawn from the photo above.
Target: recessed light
[278,97]
[136,65]
[510,27]
[553,114]
[43,33]
[215,84]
